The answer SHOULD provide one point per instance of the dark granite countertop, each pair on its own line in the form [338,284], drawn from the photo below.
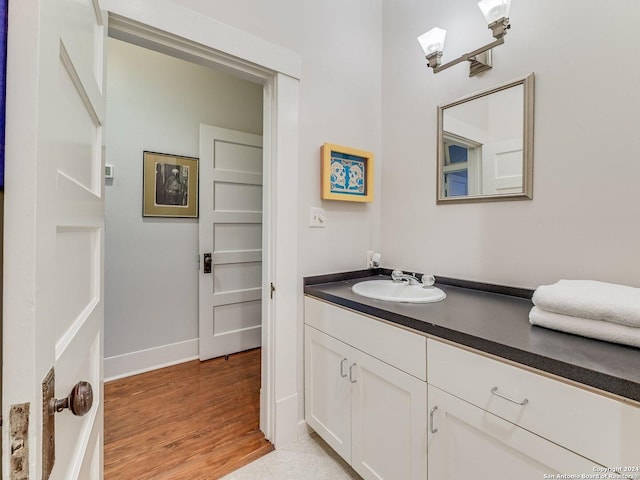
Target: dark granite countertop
[495,323]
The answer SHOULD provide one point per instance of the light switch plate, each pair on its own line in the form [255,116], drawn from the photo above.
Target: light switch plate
[317,217]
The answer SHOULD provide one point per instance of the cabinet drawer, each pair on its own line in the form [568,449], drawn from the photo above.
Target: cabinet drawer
[595,426]
[392,345]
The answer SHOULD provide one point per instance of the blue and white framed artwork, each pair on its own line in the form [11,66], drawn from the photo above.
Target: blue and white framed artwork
[347,174]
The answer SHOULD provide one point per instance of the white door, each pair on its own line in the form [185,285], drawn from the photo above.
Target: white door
[468,442]
[389,421]
[54,233]
[230,241]
[502,167]
[327,389]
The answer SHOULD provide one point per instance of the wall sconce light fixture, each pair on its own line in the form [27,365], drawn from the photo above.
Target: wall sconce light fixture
[496,12]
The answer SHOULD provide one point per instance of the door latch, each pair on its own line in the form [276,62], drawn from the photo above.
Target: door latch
[273,289]
[78,402]
[207,263]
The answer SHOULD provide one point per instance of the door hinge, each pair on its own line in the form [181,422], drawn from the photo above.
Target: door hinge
[273,289]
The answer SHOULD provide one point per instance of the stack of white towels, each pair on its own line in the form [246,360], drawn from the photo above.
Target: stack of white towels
[604,311]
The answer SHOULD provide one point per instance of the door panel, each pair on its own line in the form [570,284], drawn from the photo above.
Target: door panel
[327,394]
[57,314]
[237,276]
[235,316]
[389,422]
[231,229]
[235,237]
[237,197]
[77,264]
[237,157]
[502,167]
[76,436]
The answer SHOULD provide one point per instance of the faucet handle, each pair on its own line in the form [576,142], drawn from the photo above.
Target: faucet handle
[428,280]
[397,275]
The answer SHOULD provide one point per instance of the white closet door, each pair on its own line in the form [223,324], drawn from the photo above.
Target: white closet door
[230,305]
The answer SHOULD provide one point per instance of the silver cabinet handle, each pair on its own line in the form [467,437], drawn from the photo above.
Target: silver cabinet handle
[351,373]
[342,374]
[494,390]
[431,412]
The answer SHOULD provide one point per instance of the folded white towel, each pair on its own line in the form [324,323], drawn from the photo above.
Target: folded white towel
[590,299]
[600,330]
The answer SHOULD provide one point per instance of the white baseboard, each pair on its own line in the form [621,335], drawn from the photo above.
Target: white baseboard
[121,366]
[304,430]
[286,428]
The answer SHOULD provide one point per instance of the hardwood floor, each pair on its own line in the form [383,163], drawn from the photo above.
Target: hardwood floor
[189,421]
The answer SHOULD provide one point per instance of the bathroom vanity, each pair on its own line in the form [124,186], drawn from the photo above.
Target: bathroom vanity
[464,388]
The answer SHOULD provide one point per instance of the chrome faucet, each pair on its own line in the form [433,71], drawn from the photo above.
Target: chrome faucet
[400,276]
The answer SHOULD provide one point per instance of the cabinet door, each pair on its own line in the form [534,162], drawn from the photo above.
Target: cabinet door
[327,390]
[471,443]
[389,421]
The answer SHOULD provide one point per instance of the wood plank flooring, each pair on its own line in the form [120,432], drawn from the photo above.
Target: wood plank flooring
[195,420]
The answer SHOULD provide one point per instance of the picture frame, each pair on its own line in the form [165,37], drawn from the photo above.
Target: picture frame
[170,186]
[347,174]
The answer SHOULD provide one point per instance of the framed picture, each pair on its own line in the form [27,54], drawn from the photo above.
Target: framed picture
[347,174]
[170,186]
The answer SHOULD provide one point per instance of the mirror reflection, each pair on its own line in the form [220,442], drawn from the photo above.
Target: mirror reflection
[485,145]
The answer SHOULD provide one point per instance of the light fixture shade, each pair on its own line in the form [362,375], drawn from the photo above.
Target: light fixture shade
[494,9]
[432,41]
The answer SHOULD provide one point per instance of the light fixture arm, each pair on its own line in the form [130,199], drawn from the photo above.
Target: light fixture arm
[480,58]
[499,27]
[434,59]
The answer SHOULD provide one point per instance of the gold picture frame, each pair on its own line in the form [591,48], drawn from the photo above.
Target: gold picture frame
[347,174]
[170,186]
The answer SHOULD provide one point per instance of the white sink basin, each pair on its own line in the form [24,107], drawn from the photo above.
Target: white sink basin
[398,292]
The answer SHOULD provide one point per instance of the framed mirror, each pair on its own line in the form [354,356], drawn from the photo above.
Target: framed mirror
[485,145]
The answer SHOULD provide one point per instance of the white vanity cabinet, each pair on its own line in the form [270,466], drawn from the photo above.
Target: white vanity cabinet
[398,406]
[366,391]
[489,419]
[466,441]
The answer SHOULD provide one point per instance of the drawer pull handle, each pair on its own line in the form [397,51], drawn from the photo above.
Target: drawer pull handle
[494,390]
[431,412]
[342,374]
[351,373]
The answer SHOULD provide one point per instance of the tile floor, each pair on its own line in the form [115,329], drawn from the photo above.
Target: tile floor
[309,458]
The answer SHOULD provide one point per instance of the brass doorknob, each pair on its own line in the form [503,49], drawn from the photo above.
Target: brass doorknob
[79,401]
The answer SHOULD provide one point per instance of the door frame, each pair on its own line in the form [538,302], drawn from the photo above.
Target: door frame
[168,27]
[184,34]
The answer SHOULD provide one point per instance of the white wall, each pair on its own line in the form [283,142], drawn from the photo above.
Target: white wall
[583,219]
[340,44]
[156,103]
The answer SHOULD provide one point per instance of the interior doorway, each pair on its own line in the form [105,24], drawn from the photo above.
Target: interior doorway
[156,103]
[205,41]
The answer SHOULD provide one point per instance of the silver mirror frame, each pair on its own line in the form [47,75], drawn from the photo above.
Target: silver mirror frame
[527,142]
